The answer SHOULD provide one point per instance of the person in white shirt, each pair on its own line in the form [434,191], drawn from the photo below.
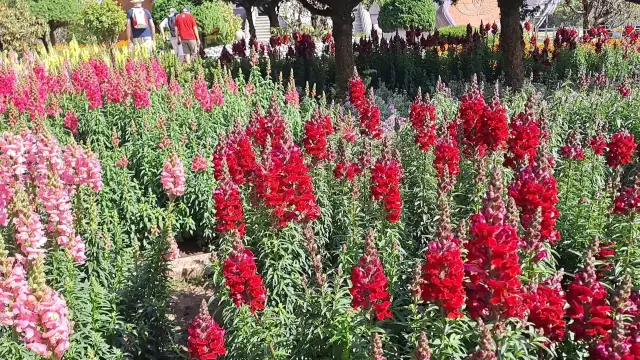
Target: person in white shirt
[169,23]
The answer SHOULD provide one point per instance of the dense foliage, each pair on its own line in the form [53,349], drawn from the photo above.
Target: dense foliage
[406,14]
[19,28]
[217,19]
[103,21]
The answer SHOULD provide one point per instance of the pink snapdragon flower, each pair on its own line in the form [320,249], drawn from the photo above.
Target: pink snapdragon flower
[172,177]
[29,233]
[199,164]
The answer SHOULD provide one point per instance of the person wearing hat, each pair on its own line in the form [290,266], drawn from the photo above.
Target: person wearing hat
[140,28]
[187,34]
[169,22]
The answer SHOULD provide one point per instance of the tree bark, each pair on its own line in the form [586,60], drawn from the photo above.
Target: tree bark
[52,29]
[345,63]
[511,42]
[587,15]
[45,42]
[272,12]
[252,27]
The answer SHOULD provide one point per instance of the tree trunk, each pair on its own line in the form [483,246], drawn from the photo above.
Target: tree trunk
[345,63]
[52,35]
[252,27]
[272,13]
[587,16]
[45,42]
[511,42]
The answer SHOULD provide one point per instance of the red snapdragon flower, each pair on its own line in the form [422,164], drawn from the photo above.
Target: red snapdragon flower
[443,275]
[370,119]
[472,107]
[588,306]
[238,153]
[369,283]
[492,262]
[206,337]
[228,207]
[423,120]
[620,149]
[495,126]
[447,155]
[624,90]
[628,201]
[546,304]
[242,278]
[316,132]
[266,127]
[357,92]
[346,170]
[284,183]
[535,187]
[524,140]
[71,122]
[598,144]
[385,186]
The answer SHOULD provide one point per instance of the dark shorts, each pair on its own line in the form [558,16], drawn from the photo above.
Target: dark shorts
[189,47]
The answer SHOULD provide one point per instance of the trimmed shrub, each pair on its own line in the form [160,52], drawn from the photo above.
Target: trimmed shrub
[402,14]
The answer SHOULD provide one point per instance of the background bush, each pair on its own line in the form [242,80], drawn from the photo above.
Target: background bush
[102,21]
[19,28]
[217,18]
[457,31]
[402,14]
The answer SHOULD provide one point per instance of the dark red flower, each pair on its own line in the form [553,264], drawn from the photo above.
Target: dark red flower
[598,143]
[316,132]
[588,306]
[493,266]
[423,119]
[346,170]
[228,206]
[357,92]
[242,278]
[206,337]
[535,187]
[71,122]
[620,149]
[443,275]
[524,140]
[472,107]
[546,304]
[572,149]
[624,90]
[447,155]
[263,127]
[369,283]
[385,186]
[370,121]
[238,154]
[284,183]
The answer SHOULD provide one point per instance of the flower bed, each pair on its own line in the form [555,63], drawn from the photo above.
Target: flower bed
[485,226]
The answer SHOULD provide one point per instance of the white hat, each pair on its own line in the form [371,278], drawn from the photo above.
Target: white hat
[137,1]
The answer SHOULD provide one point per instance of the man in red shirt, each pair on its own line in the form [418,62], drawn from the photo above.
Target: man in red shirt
[187,34]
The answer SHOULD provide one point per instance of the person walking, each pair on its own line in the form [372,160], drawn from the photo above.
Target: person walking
[140,28]
[187,34]
[169,22]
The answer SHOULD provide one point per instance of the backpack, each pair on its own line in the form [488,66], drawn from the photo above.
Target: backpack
[139,18]
[171,23]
